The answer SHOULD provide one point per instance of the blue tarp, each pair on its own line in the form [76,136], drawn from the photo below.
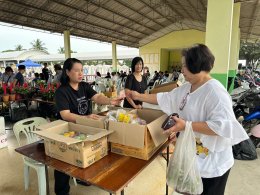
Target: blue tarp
[29,63]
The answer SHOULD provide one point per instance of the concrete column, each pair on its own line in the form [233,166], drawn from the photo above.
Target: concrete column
[235,45]
[67,44]
[218,36]
[114,56]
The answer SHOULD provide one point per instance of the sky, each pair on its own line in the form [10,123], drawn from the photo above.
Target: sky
[12,35]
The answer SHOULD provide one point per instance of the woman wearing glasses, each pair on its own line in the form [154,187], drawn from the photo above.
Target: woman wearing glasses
[204,101]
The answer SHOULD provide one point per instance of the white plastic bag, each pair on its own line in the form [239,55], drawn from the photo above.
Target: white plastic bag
[183,174]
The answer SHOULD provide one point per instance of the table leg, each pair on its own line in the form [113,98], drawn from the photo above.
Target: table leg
[47,180]
[167,162]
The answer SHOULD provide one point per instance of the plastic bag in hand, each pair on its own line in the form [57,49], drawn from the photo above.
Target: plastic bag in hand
[183,174]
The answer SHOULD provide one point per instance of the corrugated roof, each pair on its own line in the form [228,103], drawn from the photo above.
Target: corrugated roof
[130,23]
[21,55]
[102,55]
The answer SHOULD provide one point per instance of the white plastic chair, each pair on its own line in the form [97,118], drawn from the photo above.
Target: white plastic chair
[27,126]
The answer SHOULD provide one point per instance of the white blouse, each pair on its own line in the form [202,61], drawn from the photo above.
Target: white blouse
[212,104]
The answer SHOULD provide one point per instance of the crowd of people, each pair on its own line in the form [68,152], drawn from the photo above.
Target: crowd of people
[18,78]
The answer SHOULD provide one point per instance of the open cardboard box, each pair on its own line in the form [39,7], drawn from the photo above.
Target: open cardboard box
[101,123]
[81,153]
[164,87]
[139,141]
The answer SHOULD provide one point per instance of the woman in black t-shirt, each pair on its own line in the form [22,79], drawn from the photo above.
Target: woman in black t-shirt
[71,99]
[135,82]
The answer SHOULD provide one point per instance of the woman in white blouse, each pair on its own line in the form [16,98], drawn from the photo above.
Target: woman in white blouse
[204,101]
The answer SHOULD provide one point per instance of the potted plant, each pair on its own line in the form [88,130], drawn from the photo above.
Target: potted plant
[47,93]
[1,92]
[11,92]
[6,95]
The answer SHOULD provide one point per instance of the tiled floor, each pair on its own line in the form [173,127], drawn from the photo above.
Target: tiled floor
[244,177]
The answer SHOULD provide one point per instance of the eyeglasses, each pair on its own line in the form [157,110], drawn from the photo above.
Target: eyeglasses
[184,101]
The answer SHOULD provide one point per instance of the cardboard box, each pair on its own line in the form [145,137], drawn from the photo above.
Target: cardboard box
[3,140]
[139,141]
[164,87]
[73,151]
[82,120]
[110,94]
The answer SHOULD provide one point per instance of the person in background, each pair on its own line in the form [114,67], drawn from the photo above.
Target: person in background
[206,103]
[108,75]
[135,82]
[8,76]
[36,77]
[58,70]
[72,100]
[42,77]
[147,74]
[114,76]
[45,72]
[19,79]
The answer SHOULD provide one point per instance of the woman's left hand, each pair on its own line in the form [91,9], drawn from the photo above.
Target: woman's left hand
[179,126]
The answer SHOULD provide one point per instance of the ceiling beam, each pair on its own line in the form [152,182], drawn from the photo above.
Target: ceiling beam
[196,10]
[98,17]
[176,11]
[137,12]
[252,22]
[187,12]
[68,27]
[121,15]
[28,6]
[47,2]
[154,9]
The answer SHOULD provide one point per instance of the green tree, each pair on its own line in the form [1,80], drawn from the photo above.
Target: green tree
[61,50]
[127,62]
[19,47]
[251,53]
[38,45]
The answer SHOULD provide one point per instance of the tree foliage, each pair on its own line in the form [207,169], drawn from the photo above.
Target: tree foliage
[61,50]
[250,51]
[18,47]
[38,45]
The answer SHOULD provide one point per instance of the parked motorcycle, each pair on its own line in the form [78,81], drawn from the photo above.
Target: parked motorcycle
[247,110]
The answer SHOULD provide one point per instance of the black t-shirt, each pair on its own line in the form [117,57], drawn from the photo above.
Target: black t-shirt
[76,101]
[134,85]
[20,79]
[45,72]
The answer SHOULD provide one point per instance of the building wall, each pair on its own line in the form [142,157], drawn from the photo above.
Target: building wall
[151,52]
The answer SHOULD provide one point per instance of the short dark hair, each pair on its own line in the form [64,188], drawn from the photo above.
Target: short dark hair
[68,64]
[36,74]
[135,61]
[8,69]
[57,67]
[21,67]
[198,58]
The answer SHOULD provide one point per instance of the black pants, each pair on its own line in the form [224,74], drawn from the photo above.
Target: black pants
[61,186]
[215,185]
